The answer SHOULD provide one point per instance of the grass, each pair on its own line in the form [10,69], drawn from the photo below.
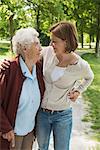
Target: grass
[93,94]
[5,54]
[5,51]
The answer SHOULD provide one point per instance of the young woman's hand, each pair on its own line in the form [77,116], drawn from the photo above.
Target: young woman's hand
[73,95]
[4,64]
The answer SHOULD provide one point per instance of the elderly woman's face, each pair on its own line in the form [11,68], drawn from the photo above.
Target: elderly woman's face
[34,52]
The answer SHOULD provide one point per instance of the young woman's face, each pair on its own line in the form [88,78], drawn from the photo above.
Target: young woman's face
[58,44]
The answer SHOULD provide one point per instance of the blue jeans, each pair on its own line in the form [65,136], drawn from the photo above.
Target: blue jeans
[58,122]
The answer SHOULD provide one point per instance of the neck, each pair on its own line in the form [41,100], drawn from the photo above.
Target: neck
[65,59]
[30,63]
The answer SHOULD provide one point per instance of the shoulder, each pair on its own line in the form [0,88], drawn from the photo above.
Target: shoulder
[86,68]
[14,63]
[83,63]
[47,50]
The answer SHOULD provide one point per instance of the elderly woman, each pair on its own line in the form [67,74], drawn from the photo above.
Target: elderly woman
[21,89]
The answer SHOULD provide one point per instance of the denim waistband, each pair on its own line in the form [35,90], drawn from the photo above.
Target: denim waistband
[53,111]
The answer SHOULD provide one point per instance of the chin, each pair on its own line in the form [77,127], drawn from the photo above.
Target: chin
[38,58]
[54,50]
[57,53]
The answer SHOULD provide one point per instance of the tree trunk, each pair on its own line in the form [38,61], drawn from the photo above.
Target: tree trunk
[90,41]
[93,38]
[97,49]
[38,19]
[82,39]
[11,29]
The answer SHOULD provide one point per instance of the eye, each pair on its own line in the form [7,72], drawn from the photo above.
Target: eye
[53,41]
[36,43]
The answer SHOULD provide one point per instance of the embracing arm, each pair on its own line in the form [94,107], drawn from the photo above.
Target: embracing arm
[5,125]
[4,64]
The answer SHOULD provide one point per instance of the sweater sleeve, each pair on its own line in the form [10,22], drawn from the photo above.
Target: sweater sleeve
[87,77]
[45,50]
[5,125]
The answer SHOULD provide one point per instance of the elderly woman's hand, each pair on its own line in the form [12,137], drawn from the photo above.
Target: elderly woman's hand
[73,95]
[4,64]
[0,133]
[10,137]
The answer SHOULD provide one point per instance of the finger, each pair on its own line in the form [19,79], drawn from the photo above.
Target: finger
[4,136]
[13,142]
[9,137]
[68,94]
[4,65]
[1,68]
[74,98]
[71,95]
[6,61]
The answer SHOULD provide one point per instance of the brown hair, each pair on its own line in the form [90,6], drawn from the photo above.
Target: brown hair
[66,31]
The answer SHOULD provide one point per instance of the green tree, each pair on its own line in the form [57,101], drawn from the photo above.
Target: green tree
[46,13]
[8,10]
[97,49]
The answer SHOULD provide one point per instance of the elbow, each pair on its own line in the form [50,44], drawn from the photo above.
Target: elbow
[92,77]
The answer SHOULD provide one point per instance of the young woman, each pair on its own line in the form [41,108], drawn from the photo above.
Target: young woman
[62,68]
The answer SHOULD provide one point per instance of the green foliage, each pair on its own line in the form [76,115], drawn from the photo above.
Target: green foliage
[5,50]
[5,53]
[41,14]
[4,45]
[93,94]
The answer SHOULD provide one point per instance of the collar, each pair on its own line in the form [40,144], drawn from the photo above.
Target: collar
[26,71]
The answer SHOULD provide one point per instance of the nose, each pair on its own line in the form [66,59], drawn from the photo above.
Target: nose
[52,44]
[40,47]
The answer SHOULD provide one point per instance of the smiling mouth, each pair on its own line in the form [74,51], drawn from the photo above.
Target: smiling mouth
[38,54]
[54,50]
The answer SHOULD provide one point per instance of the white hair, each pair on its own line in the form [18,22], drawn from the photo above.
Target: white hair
[23,39]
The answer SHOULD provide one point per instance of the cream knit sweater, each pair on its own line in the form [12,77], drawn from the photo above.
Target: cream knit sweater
[55,97]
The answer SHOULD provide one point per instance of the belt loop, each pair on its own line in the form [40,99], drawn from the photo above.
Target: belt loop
[52,111]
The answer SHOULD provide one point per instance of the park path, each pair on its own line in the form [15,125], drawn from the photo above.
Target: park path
[80,140]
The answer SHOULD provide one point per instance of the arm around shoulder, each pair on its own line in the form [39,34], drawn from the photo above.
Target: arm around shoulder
[4,122]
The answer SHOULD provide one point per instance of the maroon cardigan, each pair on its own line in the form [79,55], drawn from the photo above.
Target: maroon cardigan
[11,81]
